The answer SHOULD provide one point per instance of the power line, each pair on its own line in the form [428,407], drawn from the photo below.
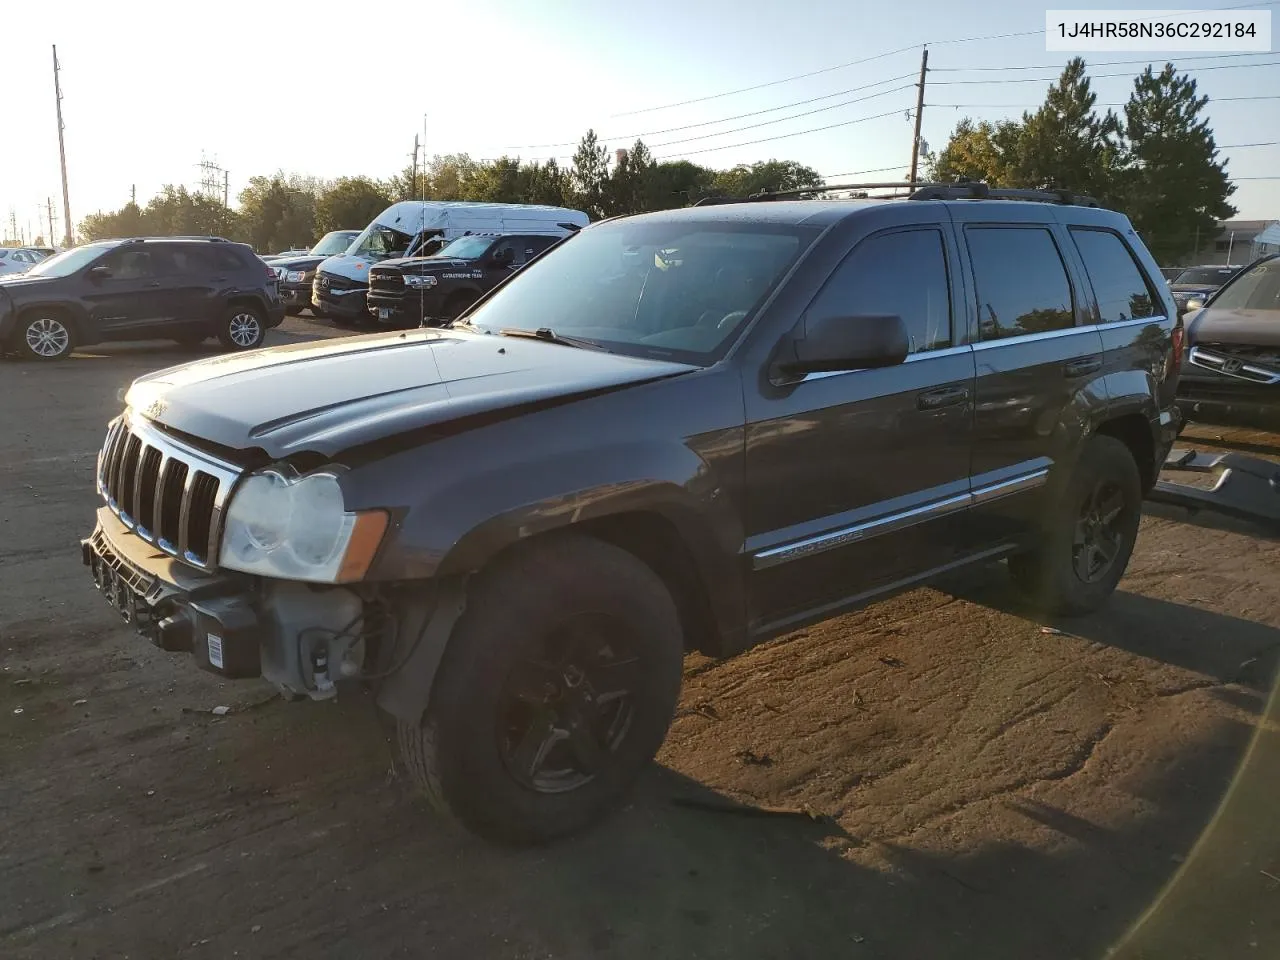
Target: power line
[1104,63]
[708,123]
[859,173]
[1104,76]
[781,136]
[879,56]
[794,116]
[1027,106]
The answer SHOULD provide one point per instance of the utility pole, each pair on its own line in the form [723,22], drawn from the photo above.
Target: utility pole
[48,209]
[915,140]
[413,182]
[62,150]
[226,188]
[133,194]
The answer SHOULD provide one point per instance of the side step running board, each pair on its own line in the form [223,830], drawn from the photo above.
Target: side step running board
[1247,488]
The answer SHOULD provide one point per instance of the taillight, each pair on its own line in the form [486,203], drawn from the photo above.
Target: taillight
[1175,354]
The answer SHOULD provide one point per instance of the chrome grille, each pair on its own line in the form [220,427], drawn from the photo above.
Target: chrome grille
[166,492]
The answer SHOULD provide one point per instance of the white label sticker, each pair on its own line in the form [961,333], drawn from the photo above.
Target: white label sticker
[215,650]
[1162,31]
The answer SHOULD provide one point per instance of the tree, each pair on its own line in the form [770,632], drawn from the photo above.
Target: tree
[548,184]
[675,183]
[590,175]
[448,176]
[501,181]
[977,151]
[349,203]
[1173,186]
[768,176]
[1065,144]
[277,214]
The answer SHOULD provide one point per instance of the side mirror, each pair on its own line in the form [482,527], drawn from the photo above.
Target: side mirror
[99,273]
[839,343]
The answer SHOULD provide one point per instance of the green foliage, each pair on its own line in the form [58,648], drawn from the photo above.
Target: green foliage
[349,203]
[282,211]
[1173,188]
[1158,163]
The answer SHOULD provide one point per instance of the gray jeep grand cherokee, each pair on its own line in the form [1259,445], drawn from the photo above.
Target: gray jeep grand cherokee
[696,429]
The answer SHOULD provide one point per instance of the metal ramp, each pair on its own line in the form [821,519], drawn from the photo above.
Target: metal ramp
[1247,488]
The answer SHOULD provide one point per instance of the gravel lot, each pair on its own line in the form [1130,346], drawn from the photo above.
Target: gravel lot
[983,785]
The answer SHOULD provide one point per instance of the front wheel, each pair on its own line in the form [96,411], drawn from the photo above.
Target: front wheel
[243,328]
[1087,543]
[44,335]
[556,690]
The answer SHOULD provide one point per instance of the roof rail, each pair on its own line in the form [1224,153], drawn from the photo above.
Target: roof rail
[958,190]
[716,201]
[202,237]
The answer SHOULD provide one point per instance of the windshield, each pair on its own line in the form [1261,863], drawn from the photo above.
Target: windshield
[66,263]
[1256,289]
[334,243]
[467,248]
[1208,276]
[668,290]
[380,243]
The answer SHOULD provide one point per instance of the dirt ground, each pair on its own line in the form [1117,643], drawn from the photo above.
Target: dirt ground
[983,785]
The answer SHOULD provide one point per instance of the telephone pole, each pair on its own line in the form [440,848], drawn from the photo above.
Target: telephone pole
[62,150]
[49,210]
[915,140]
[226,188]
[133,194]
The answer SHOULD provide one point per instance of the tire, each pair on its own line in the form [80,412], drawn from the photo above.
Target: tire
[506,692]
[1064,576]
[44,335]
[243,328]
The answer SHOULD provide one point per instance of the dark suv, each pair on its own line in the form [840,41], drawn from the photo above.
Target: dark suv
[697,429]
[185,289]
[427,290]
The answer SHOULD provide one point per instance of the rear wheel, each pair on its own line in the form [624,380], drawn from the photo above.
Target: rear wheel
[1090,537]
[242,328]
[556,691]
[44,335]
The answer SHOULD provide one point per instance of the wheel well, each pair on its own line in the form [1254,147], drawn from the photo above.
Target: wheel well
[252,302]
[62,313]
[1134,432]
[653,540]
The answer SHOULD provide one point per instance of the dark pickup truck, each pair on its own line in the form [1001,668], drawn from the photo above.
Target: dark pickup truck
[420,291]
[690,430]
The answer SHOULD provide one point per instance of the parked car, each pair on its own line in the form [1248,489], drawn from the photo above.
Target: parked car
[427,290]
[1233,343]
[181,289]
[1197,283]
[1171,273]
[18,259]
[296,273]
[695,429]
[417,228]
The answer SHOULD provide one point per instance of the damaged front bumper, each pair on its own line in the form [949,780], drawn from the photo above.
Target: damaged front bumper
[296,636]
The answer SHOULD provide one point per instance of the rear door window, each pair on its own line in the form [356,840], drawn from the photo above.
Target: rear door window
[1121,292]
[1021,281]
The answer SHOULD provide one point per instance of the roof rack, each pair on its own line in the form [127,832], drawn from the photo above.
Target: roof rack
[205,237]
[957,190]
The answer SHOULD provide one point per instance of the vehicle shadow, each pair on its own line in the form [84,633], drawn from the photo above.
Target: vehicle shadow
[308,846]
[1227,649]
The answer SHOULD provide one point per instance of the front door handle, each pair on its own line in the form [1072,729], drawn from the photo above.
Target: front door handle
[1082,366]
[946,397]
[154,283]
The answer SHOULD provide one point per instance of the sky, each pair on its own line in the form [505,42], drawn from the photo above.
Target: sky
[331,89]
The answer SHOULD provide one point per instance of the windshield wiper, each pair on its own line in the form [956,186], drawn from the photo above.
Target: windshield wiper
[550,336]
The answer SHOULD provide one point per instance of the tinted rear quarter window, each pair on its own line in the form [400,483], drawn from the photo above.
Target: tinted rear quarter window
[1121,291]
[902,273]
[1021,281]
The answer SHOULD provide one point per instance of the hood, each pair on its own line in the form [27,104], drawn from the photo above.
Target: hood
[302,262]
[342,265]
[1252,328]
[13,280]
[1193,288]
[429,264]
[330,396]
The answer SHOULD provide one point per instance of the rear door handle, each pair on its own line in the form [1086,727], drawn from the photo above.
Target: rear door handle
[945,397]
[1082,367]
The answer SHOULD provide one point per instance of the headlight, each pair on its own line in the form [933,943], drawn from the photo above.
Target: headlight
[416,280]
[296,276]
[297,528]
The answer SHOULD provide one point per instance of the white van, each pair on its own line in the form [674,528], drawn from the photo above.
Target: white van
[418,228]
